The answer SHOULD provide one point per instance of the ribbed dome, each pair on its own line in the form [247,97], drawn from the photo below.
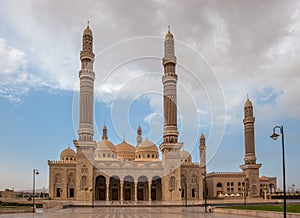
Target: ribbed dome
[106,145]
[67,153]
[147,145]
[125,151]
[124,146]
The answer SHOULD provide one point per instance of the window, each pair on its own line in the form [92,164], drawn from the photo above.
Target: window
[152,155]
[194,179]
[193,193]
[172,183]
[231,183]
[239,183]
[83,182]
[103,155]
[66,158]
[71,158]
[108,155]
[219,184]
[71,191]
[58,190]
[228,184]
[148,155]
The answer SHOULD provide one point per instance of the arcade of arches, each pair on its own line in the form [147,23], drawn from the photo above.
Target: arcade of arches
[112,188]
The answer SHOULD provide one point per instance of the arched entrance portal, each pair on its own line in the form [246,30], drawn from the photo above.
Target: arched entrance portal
[156,189]
[142,189]
[100,188]
[128,188]
[114,188]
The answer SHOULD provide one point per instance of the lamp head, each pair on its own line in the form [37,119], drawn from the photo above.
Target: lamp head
[37,173]
[274,136]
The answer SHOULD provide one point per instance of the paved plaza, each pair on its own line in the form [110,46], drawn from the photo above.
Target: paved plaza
[119,212]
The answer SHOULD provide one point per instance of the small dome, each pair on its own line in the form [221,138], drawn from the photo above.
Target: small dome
[106,145]
[169,34]
[67,153]
[88,31]
[147,145]
[248,103]
[185,156]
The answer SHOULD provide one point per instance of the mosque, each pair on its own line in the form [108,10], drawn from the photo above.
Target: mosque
[124,172]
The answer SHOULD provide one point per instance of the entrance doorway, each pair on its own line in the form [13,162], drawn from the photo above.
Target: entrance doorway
[153,194]
[140,194]
[115,194]
[100,188]
[127,194]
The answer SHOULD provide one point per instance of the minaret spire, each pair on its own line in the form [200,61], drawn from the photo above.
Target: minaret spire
[202,149]
[139,135]
[170,93]
[250,167]
[87,77]
[104,132]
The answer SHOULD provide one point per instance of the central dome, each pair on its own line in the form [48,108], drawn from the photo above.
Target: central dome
[125,151]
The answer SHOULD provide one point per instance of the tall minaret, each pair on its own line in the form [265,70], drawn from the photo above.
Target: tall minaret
[169,80]
[248,121]
[170,146]
[139,135]
[87,77]
[202,149]
[85,145]
[250,167]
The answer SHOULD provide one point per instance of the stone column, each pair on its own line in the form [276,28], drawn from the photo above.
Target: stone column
[121,191]
[107,190]
[135,190]
[149,189]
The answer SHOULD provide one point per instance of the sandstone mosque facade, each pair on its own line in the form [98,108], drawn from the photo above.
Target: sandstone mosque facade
[104,171]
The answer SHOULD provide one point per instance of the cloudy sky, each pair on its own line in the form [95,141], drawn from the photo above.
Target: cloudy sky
[225,50]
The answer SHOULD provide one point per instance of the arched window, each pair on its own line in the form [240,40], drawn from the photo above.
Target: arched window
[239,183]
[148,155]
[231,183]
[83,182]
[58,178]
[152,155]
[172,183]
[219,184]
[194,179]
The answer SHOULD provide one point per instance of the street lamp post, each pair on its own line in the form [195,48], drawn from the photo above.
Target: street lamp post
[205,192]
[274,136]
[35,172]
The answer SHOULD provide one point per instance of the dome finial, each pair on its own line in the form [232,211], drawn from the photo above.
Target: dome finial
[88,24]
[168,28]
